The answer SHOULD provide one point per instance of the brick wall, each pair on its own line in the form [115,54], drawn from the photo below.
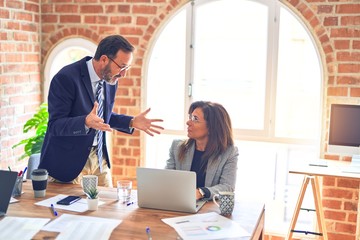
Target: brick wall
[334,25]
[20,83]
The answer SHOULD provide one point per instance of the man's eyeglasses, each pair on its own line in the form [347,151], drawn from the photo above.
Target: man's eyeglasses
[123,68]
[194,119]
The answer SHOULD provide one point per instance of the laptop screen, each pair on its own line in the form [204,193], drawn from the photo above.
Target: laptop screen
[7,182]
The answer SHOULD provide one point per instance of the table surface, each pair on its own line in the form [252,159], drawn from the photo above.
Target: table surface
[249,215]
[333,169]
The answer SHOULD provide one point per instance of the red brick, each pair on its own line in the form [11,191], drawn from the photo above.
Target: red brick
[349,80]
[67,8]
[331,21]
[350,20]
[356,44]
[143,9]
[70,18]
[347,8]
[354,92]
[345,228]
[337,91]
[342,44]
[334,215]
[337,193]
[349,68]
[324,9]
[332,204]
[350,206]
[96,9]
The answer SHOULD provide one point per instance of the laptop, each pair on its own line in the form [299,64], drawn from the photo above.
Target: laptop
[165,189]
[7,183]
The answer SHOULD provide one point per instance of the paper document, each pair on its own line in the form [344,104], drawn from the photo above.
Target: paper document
[15,228]
[206,226]
[62,223]
[87,230]
[13,200]
[79,206]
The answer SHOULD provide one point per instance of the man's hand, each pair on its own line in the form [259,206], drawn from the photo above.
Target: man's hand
[92,120]
[142,123]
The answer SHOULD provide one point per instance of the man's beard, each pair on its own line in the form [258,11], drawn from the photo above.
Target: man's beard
[110,79]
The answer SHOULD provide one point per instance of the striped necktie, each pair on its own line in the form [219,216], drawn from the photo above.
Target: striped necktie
[100,113]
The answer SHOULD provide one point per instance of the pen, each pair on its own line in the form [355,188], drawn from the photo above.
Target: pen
[185,221]
[148,233]
[53,210]
[9,168]
[20,173]
[130,203]
[24,171]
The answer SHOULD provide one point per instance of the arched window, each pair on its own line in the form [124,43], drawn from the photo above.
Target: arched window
[66,52]
[257,59]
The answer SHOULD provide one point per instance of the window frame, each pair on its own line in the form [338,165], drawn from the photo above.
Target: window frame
[267,135]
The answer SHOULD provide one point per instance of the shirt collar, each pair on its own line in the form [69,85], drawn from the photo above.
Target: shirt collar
[93,76]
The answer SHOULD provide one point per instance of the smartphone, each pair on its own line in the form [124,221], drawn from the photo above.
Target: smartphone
[68,200]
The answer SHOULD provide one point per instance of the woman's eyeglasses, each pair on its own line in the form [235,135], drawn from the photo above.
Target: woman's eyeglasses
[194,119]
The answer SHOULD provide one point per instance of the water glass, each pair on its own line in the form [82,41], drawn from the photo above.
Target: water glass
[124,190]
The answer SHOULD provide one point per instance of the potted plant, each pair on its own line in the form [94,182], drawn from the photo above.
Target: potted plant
[92,199]
[33,144]
[39,121]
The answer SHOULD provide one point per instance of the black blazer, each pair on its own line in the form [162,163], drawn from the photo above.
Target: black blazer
[67,144]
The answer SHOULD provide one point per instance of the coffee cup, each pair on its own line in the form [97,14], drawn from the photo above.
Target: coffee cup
[226,202]
[89,182]
[39,179]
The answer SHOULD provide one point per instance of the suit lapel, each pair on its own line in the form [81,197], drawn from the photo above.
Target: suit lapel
[85,78]
[189,158]
[211,171]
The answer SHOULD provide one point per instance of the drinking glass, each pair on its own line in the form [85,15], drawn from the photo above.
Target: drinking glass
[124,190]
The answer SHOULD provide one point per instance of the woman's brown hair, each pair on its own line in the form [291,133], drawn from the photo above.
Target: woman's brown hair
[219,126]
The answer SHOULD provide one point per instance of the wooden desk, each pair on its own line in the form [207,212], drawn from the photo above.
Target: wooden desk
[249,215]
[312,174]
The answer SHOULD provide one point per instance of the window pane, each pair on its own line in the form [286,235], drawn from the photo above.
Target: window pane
[66,56]
[166,74]
[298,83]
[230,62]
[230,67]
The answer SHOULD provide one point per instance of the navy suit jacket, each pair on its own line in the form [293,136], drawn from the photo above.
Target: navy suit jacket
[67,144]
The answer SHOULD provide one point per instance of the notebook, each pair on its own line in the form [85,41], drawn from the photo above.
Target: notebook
[7,182]
[165,189]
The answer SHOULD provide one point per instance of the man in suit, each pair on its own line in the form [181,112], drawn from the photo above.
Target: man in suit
[80,102]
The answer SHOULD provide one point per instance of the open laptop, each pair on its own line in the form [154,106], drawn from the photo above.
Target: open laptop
[7,182]
[165,189]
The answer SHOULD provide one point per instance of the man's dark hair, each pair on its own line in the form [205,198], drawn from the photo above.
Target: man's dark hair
[110,45]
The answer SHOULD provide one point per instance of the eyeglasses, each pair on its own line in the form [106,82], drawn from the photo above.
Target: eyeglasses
[124,68]
[194,119]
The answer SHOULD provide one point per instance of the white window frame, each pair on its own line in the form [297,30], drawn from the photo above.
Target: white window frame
[267,135]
